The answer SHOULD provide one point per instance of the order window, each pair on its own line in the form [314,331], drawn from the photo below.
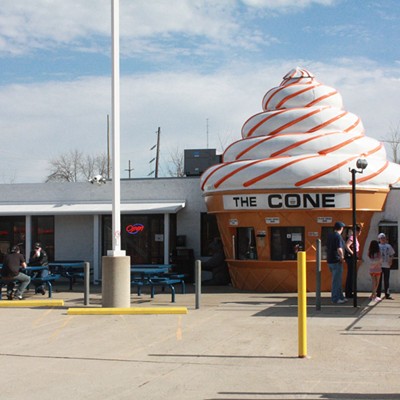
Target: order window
[246,244]
[286,242]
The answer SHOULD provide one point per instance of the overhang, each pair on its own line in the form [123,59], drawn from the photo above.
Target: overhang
[90,208]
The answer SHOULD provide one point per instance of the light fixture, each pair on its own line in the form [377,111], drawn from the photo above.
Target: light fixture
[99,179]
[361,164]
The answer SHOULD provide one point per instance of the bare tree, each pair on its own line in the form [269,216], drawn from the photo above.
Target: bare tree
[74,166]
[177,161]
[394,142]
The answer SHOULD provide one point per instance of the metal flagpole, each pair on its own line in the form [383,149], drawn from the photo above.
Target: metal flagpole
[116,272]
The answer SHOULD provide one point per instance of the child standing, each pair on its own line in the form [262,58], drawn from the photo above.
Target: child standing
[375,267]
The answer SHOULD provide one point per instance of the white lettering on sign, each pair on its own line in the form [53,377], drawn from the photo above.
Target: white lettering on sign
[324,220]
[272,220]
[276,201]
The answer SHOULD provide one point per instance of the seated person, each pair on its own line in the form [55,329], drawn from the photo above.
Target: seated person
[12,264]
[217,265]
[38,257]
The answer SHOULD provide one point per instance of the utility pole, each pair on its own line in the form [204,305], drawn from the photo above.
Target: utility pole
[108,146]
[129,169]
[157,157]
[157,152]
[207,131]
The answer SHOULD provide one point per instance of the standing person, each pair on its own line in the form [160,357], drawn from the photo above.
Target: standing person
[387,252]
[349,256]
[38,257]
[335,258]
[12,264]
[375,267]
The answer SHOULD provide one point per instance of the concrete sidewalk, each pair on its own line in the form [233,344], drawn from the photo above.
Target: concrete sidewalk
[237,346]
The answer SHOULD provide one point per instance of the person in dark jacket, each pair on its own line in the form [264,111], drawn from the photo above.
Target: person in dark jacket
[12,264]
[217,265]
[38,257]
[335,259]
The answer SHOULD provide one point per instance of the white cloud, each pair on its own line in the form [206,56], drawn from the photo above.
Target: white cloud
[40,121]
[287,5]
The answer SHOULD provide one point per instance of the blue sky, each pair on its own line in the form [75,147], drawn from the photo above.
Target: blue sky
[196,69]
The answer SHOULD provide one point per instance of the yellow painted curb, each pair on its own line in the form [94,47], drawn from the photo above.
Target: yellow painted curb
[130,311]
[32,303]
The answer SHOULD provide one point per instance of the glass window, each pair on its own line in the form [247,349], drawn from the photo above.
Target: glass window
[325,231]
[43,232]
[209,231]
[142,236]
[286,242]
[12,232]
[246,248]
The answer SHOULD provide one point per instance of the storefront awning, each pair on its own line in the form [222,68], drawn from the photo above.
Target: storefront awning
[171,207]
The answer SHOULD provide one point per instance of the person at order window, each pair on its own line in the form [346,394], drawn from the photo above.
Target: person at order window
[335,258]
[12,264]
[349,256]
[38,257]
[387,252]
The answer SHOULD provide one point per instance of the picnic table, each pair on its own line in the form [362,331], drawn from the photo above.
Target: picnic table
[70,269]
[153,275]
[35,278]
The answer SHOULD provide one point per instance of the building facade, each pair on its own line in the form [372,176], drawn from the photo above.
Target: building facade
[161,219]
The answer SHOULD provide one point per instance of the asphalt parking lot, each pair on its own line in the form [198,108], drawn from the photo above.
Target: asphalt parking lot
[236,346]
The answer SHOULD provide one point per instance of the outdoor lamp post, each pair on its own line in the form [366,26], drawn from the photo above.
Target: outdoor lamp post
[361,164]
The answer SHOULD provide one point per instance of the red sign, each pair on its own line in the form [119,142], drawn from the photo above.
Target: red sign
[134,229]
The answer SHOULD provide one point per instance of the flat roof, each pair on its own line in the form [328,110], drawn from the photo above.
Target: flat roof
[57,208]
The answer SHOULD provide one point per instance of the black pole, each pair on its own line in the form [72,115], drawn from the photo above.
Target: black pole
[354,206]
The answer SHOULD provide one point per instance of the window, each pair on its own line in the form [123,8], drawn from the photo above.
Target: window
[286,242]
[12,232]
[325,231]
[142,236]
[43,232]
[246,244]
[209,231]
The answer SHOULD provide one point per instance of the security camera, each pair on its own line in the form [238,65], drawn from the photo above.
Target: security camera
[99,179]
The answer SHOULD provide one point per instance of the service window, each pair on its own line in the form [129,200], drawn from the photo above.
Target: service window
[325,231]
[286,242]
[246,244]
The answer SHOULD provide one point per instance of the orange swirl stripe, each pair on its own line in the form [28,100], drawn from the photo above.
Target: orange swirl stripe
[340,145]
[251,131]
[321,98]
[368,177]
[213,172]
[294,145]
[295,121]
[275,170]
[291,96]
[232,173]
[333,168]
[326,123]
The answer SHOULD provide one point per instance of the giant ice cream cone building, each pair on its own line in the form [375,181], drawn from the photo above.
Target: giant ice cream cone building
[284,184]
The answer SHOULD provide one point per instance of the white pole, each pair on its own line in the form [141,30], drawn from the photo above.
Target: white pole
[116,204]
[116,268]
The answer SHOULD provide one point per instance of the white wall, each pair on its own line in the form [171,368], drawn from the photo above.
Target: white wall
[74,237]
[390,214]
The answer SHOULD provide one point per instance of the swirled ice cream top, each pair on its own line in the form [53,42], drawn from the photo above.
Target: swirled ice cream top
[303,138]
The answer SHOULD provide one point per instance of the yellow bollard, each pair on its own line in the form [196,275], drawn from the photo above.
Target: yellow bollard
[302,303]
